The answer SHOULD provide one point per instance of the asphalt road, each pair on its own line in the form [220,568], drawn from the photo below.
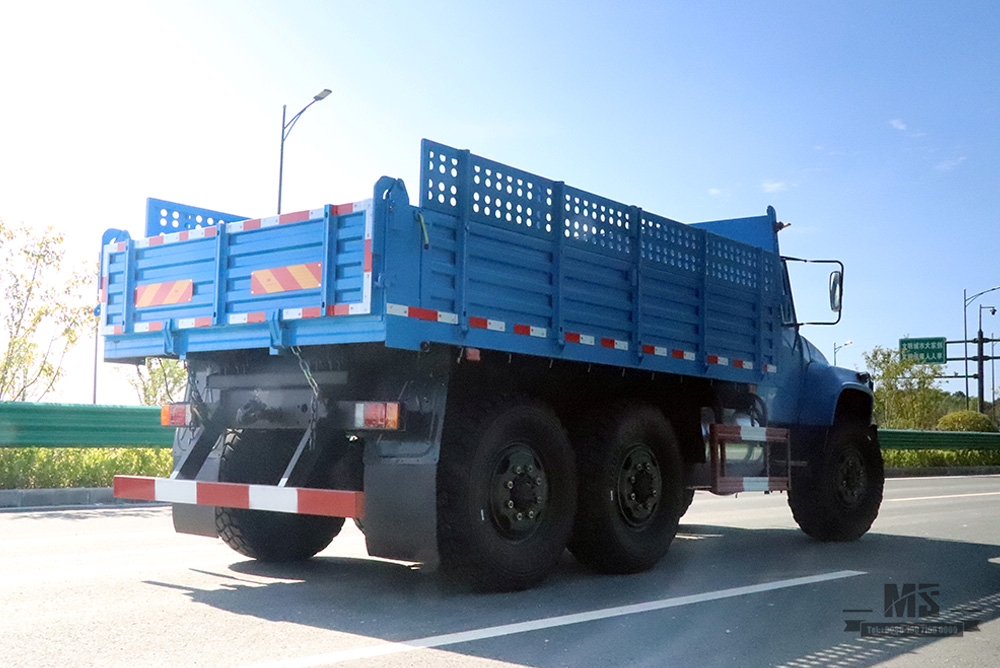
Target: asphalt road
[741,586]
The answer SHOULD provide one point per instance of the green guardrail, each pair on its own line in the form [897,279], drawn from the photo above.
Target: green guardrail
[903,439]
[82,426]
[96,426]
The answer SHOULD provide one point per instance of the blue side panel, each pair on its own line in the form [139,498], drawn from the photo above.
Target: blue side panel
[519,263]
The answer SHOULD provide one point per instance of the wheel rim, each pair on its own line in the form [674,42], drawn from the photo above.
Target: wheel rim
[640,485]
[519,491]
[852,479]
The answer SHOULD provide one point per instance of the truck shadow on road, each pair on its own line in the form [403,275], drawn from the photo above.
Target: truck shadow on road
[395,602]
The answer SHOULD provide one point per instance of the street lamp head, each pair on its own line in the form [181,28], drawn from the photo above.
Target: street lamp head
[322,94]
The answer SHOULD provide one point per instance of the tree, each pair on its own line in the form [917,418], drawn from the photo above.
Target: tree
[44,310]
[966,421]
[906,392]
[160,381]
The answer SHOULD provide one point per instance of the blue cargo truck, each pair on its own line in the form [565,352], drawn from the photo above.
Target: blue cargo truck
[510,369]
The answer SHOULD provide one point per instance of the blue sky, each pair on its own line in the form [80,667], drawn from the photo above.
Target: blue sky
[872,127]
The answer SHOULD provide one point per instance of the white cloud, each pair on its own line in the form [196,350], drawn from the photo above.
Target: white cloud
[948,165]
[715,192]
[773,186]
[898,124]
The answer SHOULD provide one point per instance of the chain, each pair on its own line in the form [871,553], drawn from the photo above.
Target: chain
[197,402]
[314,404]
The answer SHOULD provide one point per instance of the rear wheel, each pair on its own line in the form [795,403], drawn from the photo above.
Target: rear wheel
[838,496]
[260,457]
[506,494]
[630,492]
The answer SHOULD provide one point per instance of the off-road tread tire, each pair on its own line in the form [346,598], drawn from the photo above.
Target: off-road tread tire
[814,502]
[260,457]
[602,539]
[686,499]
[471,548]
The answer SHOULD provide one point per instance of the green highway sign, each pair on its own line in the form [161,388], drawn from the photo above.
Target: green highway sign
[924,351]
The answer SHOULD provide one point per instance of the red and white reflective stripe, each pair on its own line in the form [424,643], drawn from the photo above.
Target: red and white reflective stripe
[531,330]
[427,314]
[582,339]
[675,353]
[614,344]
[142,327]
[301,313]
[191,323]
[486,323]
[770,368]
[246,318]
[112,329]
[725,361]
[298,500]
[272,221]
[175,237]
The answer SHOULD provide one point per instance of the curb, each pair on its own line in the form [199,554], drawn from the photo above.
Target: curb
[36,499]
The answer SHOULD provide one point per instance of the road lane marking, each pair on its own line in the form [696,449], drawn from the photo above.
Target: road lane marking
[388,648]
[943,496]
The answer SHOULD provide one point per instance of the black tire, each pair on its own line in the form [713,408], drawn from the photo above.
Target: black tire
[686,499]
[837,496]
[506,494]
[260,457]
[630,491]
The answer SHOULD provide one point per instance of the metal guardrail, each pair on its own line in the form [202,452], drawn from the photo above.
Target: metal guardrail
[81,426]
[904,439]
[89,426]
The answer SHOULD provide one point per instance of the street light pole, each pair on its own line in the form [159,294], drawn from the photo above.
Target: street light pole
[981,357]
[836,348]
[286,129]
[965,332]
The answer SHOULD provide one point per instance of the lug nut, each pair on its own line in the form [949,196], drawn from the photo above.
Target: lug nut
[538,500]
[519,470]
[654,492]
[510,484]
[538,480]
[632,480]
[530,468]
[510,504]
[632,496]
[520,516]
[531,514]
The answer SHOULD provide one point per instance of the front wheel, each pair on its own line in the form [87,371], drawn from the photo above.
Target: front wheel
[838,496]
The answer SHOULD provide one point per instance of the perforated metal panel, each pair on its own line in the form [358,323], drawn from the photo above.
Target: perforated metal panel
[163,217]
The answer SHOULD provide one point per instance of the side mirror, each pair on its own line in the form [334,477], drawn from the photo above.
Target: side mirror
[836,290]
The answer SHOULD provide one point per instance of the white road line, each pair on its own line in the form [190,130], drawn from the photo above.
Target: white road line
[943,496]
[387,648]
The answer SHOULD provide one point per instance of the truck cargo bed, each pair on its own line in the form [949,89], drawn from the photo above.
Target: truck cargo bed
[493,258]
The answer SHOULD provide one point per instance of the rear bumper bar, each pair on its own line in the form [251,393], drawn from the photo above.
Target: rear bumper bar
[296,500]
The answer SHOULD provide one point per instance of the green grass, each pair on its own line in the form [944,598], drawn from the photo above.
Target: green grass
[47,468]
[940,458]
